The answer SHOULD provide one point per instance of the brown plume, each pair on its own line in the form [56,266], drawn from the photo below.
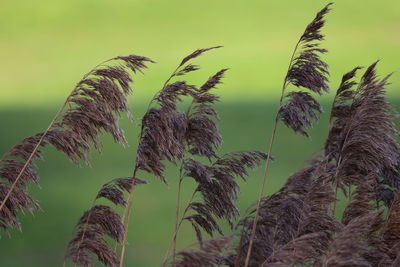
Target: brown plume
[298,212]
[167,134]
[218,188]
[307,70]
[361,140]
[388,244]
[207,254]
[93,107]
[93,226]
[350,246]
[99,222]
[340,113]
[165,128]
[297,109]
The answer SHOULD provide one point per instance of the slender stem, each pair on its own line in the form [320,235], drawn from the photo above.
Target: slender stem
[334,203]
[177,229]
[127,211]
[31,156]
[339,162]
[39,143]
[239,252]
[264,178]
[125,214]
[261,193]
[84,232]
[386,224]
[163,87]
[177,222]
[336,178]
[178,205]
[128,217]
[336,181]
[330,127]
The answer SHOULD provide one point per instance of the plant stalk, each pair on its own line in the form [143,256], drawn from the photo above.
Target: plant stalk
[31,156]
[177,230]
[178,205]
[127,211]
[264,178]
[127,217]
[261,193]
[29,160]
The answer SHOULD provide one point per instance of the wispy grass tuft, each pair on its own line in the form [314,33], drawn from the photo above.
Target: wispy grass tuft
[93,107]
[296,226]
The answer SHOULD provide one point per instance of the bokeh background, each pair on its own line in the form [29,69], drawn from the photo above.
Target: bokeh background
[46,46]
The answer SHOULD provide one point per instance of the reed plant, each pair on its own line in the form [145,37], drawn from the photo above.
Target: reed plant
[298,225]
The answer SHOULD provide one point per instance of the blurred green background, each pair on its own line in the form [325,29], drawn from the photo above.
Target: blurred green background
[46,47]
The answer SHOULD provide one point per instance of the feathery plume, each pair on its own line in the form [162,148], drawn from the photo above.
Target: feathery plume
[208,253]
[218,188]
[340,112]
[387,246]
[309,71]
[298,109]
[98,223]
[350,245]
[298,214]
[166,133]
[93,226]
[362,140]
[114,190]
[93,106]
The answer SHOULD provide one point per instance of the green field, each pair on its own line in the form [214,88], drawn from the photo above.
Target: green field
[46,47]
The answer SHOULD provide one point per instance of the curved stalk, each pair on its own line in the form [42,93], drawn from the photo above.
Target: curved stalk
[178,203]
[127,217]
[127,210]
[179,223]
[29,160]
[39,143]
[83,235]
[268,160]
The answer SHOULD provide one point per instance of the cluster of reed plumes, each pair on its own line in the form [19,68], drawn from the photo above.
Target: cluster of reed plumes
[296,226]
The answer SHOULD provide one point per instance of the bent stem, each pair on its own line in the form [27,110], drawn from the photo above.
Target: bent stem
[178,226]
[127,211]
[177,221]
[29,160]
[126,218]
[84,232]
[39,143]
[128,207]
[338,165]
[261,193]
[268,160]
[178,204]
[239,252]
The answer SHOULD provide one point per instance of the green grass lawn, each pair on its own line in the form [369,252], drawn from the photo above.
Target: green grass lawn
[46,48]
[67,190]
